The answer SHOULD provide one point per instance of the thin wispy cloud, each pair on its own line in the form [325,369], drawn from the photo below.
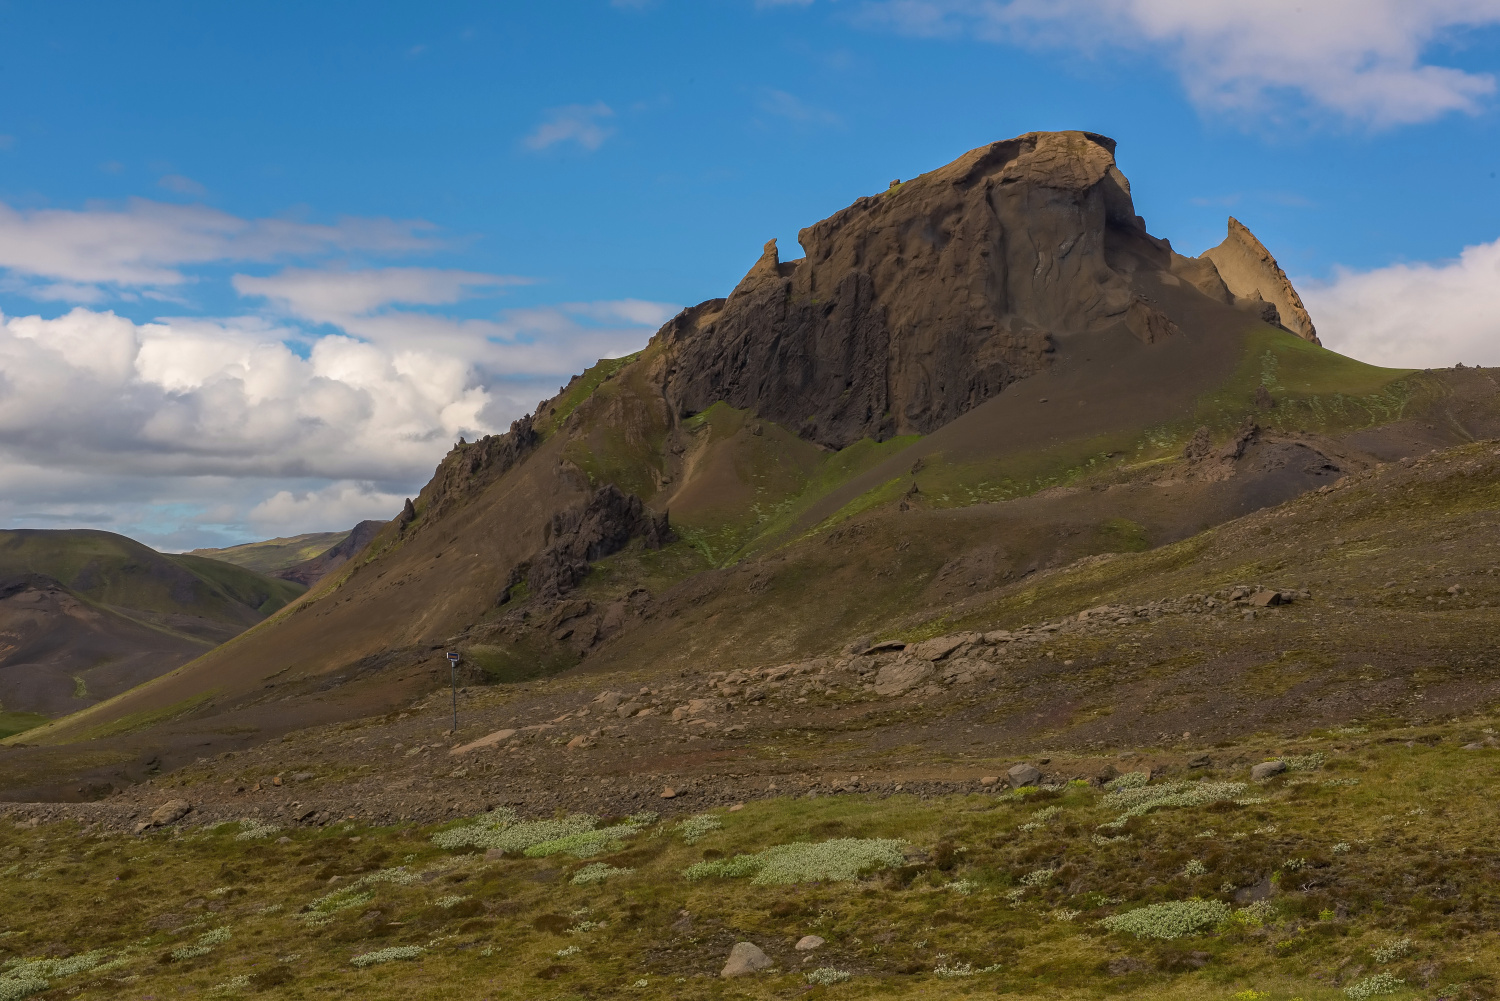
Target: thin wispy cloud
[146,243]
[792,108]
[181,185]
[1366,61]
[580,124]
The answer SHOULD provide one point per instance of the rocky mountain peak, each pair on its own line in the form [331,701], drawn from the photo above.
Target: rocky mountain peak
[916,304]
[1251,273]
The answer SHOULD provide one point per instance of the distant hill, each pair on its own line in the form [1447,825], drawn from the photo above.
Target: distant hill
[309,572]
[275,554]
[85,615]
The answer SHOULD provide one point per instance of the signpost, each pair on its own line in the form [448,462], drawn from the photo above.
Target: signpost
[453,671]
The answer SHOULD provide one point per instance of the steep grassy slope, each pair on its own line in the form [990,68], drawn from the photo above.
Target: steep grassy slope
[86,615]
[274,554]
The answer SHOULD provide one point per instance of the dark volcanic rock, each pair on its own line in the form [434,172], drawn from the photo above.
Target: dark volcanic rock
[578,536]
[915,305]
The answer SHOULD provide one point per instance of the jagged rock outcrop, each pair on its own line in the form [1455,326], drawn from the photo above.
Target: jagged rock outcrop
[309,572]
[1251,273]
[914,305]
[470,466]
[578,536]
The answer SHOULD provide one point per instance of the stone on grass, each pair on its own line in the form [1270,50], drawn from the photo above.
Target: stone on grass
[1266,598]
[989,780]
[807,943]
[170,812]
[486,742]
[744,959]
[1267,769]
[1023,775]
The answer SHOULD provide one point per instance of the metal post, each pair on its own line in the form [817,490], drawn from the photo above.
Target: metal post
[453,671]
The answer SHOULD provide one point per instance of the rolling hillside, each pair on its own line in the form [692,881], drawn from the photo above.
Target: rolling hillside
[85,615]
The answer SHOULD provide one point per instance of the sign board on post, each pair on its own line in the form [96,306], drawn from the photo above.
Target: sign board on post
[453,671]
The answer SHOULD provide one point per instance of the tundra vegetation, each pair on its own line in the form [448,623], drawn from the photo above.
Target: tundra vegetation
[1365,870]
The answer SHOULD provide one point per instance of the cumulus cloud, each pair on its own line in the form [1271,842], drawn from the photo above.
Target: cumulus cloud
[1360,59]
[575,123]
[158,428]
[1414,315]
[146,243]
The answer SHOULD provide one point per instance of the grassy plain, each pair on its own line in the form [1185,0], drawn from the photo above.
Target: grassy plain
[1369,865]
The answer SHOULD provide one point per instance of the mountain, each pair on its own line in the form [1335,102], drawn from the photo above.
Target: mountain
[971,382]
[86,615]
[275,554]
[308,572]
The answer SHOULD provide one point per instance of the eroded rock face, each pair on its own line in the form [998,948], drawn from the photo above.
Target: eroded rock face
[1251,273]
[578,536]
[915,305]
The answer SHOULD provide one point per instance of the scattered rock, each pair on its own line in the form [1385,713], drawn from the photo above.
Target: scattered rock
[494,854]
[938,648]
[629,709]
[669,793]
[807,943]
[1199,761]
[902,676]
[745,958]
[1263,398]
[283,840]
[1267,769]
[684,923]
[608,701]
[301,776]
[885,646]
[484,743]
[989,780]
[736,808]
[170,812]
[581,742]
[1482,745]
[1023,775]
[1266,598]
[1456,589]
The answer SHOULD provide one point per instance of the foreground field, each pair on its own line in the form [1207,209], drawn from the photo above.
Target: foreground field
[1365,869]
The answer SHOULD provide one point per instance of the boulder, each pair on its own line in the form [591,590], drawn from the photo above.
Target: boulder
[1023,775]
[902,676]
[170,812]
[695,708]
[989,780]
[582,741]
[608,701]
[483,743]
[1265,598]
[1267,769]
[629,709]
[938,648]
[807,943]
[744,959]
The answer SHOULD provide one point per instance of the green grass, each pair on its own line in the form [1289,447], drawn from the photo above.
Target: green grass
[146,718]
[274,554]
[12,723]
[1019,894]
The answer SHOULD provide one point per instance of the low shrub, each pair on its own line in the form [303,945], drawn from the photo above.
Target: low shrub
[1170,920]
[388,955]
[839,860]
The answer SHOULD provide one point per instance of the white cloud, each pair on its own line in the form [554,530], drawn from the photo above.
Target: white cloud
[146,243]
[1414,315]
[1361,59]
[346,503]
[577,123]
[329,296]
[145,427]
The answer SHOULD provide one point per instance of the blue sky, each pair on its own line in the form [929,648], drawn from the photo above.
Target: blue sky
[260,264]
